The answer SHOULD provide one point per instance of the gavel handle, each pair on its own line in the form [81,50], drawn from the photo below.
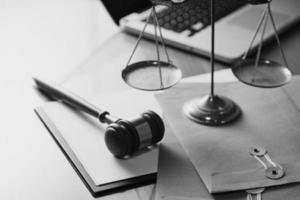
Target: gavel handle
[59,93]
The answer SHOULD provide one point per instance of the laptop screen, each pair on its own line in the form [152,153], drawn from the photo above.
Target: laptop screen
[120,8]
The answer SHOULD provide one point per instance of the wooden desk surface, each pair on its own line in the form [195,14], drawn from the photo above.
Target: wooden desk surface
[51,39]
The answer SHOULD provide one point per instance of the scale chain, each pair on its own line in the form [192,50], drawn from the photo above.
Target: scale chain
[140,37]
[157,45]
[276,36]
[162,38]
[255,34]
[266,17]
[267,13]
[258,54]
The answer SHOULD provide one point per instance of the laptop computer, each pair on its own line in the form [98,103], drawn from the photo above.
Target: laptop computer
[187,25]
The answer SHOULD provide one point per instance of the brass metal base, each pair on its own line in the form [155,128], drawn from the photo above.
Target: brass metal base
[212,110]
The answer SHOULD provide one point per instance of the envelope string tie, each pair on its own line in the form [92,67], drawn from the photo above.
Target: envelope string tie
[273,170]
[255,192]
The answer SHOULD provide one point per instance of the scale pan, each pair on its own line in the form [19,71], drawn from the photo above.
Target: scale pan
[151,75]
[268,74]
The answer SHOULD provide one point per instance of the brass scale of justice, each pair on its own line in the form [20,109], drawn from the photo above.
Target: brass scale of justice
[211,109]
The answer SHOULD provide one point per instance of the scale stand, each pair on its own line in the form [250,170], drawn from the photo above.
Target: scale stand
[212,109]
[152,75]
[260,72]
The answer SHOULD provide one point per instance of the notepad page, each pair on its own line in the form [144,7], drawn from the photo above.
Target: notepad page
[85,136]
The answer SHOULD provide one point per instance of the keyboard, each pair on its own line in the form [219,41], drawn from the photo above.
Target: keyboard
[194,15]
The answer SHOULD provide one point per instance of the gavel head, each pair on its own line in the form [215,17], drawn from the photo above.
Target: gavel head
[125,137]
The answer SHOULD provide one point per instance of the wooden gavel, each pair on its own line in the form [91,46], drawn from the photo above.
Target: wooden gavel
[122,137]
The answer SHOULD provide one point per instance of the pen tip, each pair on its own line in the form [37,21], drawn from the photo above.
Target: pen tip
[35,79]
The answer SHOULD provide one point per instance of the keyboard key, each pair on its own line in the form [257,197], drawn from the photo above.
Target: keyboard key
[192,12]
[186,16]
[167,26]
[167,18]
[179,12]
[186,22]
[193,20]
[173,22]
[180,26]
[179,18]
[173,15]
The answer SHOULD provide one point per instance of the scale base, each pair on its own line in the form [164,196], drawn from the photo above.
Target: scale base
[212,110]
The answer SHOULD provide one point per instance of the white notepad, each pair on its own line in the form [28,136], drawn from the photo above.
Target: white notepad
[81,137]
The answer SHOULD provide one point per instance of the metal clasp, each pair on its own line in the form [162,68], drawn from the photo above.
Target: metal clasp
[272,170]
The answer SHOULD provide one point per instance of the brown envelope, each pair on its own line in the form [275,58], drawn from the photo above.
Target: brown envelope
[177,179]
[220,154]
